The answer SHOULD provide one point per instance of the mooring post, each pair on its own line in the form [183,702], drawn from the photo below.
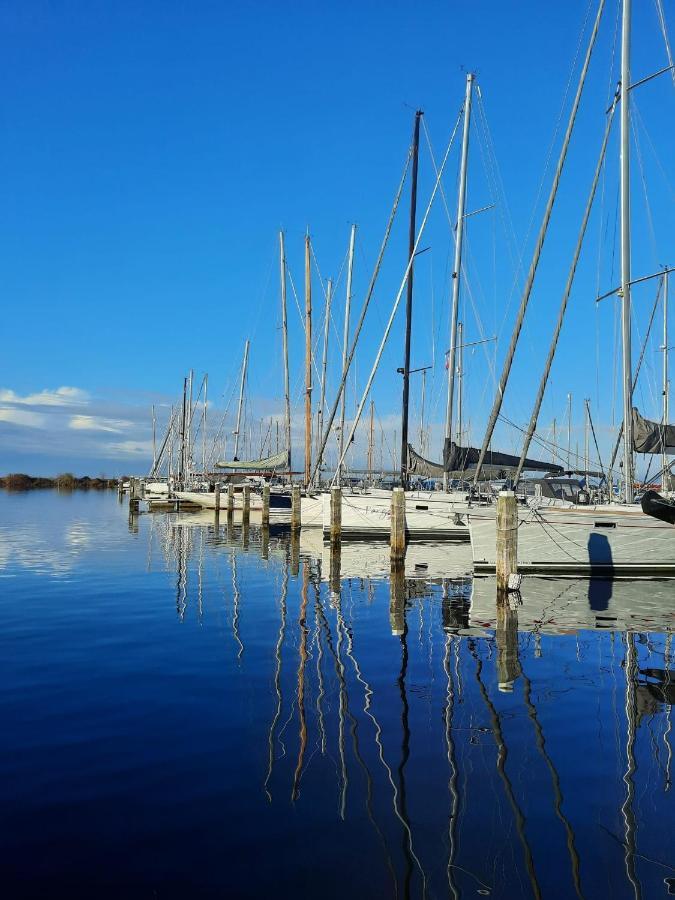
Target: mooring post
[296,516]
[507,540]
[134,495]
[230,500]
[334,573]
[335,515]
[266,506]
[216,501]
[246,504]
[398,524]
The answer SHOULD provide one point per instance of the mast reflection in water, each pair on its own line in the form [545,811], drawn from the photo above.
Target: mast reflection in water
[191,708]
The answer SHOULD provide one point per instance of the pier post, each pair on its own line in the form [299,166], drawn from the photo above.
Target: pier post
[266,506]
[334,571]
[296,516]
[230,500]
[216,499]
[246,505]
[397,524]
[134,495]
[335,516]
[507,540]
[295,553]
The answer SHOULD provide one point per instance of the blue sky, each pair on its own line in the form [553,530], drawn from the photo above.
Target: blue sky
[151,151]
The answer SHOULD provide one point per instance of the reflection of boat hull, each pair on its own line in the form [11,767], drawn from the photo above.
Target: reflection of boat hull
[566,605]
[311,512]
[602,540]
[429,515]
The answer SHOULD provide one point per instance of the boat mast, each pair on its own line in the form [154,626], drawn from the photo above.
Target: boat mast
[666,386]
[371,435]
[345,342]
[460,380]
[569,432]
[241,400]
[181,471]
[324,364]
[587,420]
[154,440]
[625,256]
[284,332]
[188,437]
[461,201]
[206,387]
[308,363]
[408,304]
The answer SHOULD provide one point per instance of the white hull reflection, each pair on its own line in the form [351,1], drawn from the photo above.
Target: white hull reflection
[565,605]
[423,560]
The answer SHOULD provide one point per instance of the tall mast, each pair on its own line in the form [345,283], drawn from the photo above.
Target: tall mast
[408,303]
[154,441]
[324,364]
[587,419]
[241,400]
[666,385]
[456,272]
[569,432]
[345,341]
[460,380]
[625,256]
[181,471]
[284,332]
[206,387]
[188,438]
[371,435]
[308,363]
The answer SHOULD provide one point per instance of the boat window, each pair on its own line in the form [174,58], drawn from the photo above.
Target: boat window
[419,506]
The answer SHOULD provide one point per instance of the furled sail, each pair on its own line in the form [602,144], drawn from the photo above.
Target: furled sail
[459,460]
[652,437]
[280,460]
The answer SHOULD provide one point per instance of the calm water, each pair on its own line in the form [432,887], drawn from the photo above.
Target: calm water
[189,712]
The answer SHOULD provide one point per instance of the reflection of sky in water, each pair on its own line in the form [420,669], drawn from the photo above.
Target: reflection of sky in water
[192,712]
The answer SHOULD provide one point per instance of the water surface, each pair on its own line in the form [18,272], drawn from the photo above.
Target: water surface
[192,711]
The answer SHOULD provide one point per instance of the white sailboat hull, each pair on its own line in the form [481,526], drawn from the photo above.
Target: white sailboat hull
[429,515]
[208,500]
[574,540]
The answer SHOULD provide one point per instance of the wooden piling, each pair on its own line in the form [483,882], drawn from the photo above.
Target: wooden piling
[230,500]
[296,515]
[216,499]
[397,598]
[295,553]
[266,506]
[507,540]
[134,495]
[246,505]
[397,524]
[335,515]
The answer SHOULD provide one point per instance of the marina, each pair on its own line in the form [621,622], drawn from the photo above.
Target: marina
[339,350]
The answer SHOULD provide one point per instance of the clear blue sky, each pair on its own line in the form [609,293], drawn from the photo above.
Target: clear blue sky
[151,151]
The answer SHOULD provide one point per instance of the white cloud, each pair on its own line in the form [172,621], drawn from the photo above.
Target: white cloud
[22,417]
[96,423]
[62,396]
[130,448]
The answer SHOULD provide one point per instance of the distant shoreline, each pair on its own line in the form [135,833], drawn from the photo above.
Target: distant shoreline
[65,482]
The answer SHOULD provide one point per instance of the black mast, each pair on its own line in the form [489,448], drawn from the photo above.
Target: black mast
[408,303]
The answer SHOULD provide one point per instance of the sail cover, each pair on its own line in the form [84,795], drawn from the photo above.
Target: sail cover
[652,437]
[462,458]
[269,464]
[458,460]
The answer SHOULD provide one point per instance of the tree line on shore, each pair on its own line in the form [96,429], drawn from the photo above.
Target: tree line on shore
[66,481]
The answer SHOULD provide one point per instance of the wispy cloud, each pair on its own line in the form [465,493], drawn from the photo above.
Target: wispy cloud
[62,396]
[97,423]
[22,417]
[130,448]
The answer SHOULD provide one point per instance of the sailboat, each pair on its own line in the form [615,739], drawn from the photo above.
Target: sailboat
[559,536]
